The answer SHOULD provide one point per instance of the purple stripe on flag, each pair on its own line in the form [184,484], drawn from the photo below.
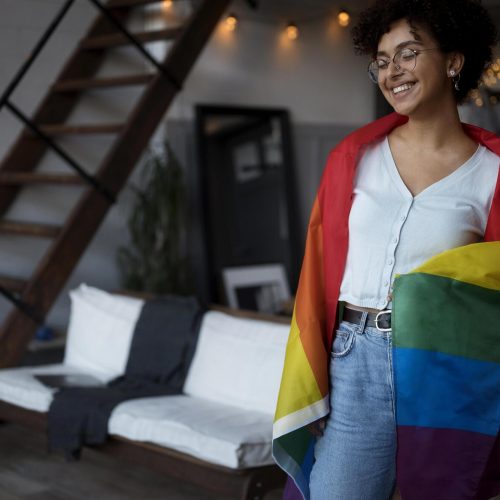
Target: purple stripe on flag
[490,482]
[291,491]
[441,463]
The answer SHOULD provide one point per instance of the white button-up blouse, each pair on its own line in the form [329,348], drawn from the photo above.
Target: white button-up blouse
[392,232]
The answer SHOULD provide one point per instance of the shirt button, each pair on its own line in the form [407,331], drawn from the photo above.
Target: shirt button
[386,283]
[390,262]
[403,217]
[395,240]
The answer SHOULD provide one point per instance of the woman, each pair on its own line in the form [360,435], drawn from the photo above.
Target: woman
[394,194]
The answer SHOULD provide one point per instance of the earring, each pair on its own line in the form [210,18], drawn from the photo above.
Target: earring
[455,78]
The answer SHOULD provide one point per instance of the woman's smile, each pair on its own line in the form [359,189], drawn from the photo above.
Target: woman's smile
[402,89]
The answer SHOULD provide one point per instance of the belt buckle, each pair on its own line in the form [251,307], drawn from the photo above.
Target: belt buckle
[385,311]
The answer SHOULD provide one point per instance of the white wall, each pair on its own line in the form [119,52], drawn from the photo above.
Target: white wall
[317,77]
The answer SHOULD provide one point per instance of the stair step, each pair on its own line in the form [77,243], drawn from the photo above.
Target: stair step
[118,39]
[20,178]
[29,229]
[93,83]
[108,128]
[130,3]
[14,285]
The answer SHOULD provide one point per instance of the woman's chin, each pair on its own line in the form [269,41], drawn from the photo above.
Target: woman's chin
[404,108]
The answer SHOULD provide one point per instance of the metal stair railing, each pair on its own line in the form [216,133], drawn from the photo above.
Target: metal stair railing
[11,87]
[53,270]
[6,102]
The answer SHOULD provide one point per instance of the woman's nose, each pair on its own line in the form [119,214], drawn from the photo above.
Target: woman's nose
[394,69]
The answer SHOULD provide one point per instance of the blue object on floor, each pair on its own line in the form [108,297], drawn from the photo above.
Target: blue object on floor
[44,333]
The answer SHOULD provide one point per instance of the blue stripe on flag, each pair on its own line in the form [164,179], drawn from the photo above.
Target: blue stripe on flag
[439,390]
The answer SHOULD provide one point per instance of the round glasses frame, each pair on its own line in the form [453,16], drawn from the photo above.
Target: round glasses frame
[404,59]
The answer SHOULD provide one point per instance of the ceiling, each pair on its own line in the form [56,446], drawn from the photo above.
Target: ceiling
[298,10]
[311,10]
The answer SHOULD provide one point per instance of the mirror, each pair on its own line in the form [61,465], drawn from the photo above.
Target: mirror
[246,163]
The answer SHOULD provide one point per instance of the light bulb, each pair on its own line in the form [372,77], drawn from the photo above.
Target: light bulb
[292,31]
[231,22]
[344,18]
[167,4]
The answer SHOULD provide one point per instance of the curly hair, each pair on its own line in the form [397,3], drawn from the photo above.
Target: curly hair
[463,26]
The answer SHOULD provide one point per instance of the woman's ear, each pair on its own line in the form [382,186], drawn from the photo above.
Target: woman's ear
[455,63]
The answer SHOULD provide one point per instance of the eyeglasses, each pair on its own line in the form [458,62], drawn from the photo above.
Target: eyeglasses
[404,59]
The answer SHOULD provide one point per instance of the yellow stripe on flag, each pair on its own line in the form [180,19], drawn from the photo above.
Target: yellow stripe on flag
[299,387]
[476,264]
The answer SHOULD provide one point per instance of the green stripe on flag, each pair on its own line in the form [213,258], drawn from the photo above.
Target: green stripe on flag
[296,444]
[442,314]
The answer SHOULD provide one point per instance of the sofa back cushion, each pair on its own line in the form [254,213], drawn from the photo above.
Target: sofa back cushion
[100,330]
[238,362]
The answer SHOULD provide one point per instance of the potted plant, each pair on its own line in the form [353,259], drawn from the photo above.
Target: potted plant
[155,260]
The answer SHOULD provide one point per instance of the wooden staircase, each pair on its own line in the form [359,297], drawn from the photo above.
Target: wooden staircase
[34,296]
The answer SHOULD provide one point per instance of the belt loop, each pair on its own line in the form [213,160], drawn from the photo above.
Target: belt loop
[362,322]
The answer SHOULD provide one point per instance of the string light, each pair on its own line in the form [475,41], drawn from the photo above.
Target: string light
[231,22]
[292,31]
[343,18]
[167,4]
[490,78]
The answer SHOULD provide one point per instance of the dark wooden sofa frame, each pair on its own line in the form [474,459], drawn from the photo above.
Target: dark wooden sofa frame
[243,484]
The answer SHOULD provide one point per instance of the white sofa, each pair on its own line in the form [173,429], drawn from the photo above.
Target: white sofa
[224,416]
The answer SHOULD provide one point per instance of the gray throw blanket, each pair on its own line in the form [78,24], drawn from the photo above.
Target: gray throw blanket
[161,351]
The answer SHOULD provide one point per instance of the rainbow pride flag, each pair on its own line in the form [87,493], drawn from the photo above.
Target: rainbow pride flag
[446,333]
[446,338]
[304,392]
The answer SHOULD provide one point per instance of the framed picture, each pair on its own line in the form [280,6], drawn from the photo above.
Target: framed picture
[261,288]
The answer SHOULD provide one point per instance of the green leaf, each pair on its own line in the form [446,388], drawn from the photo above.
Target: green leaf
[156,261]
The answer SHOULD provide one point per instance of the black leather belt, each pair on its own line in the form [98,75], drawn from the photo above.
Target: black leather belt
[381,320]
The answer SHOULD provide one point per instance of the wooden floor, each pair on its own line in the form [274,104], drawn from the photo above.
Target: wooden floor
[28,472]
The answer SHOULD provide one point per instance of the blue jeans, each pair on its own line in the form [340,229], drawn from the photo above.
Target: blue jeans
[355,459]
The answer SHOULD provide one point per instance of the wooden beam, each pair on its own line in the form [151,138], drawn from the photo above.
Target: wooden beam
[14,285]
[68,129]
[98,83]
[130,3]
[21,178]
[118,40]
[29,229]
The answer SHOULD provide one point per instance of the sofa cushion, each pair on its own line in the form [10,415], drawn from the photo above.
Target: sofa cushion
[220,434]
[19,387]
[100,330]
[215,432]
[238,362]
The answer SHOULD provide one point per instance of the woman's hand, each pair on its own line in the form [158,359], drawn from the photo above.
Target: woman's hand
[317,427]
